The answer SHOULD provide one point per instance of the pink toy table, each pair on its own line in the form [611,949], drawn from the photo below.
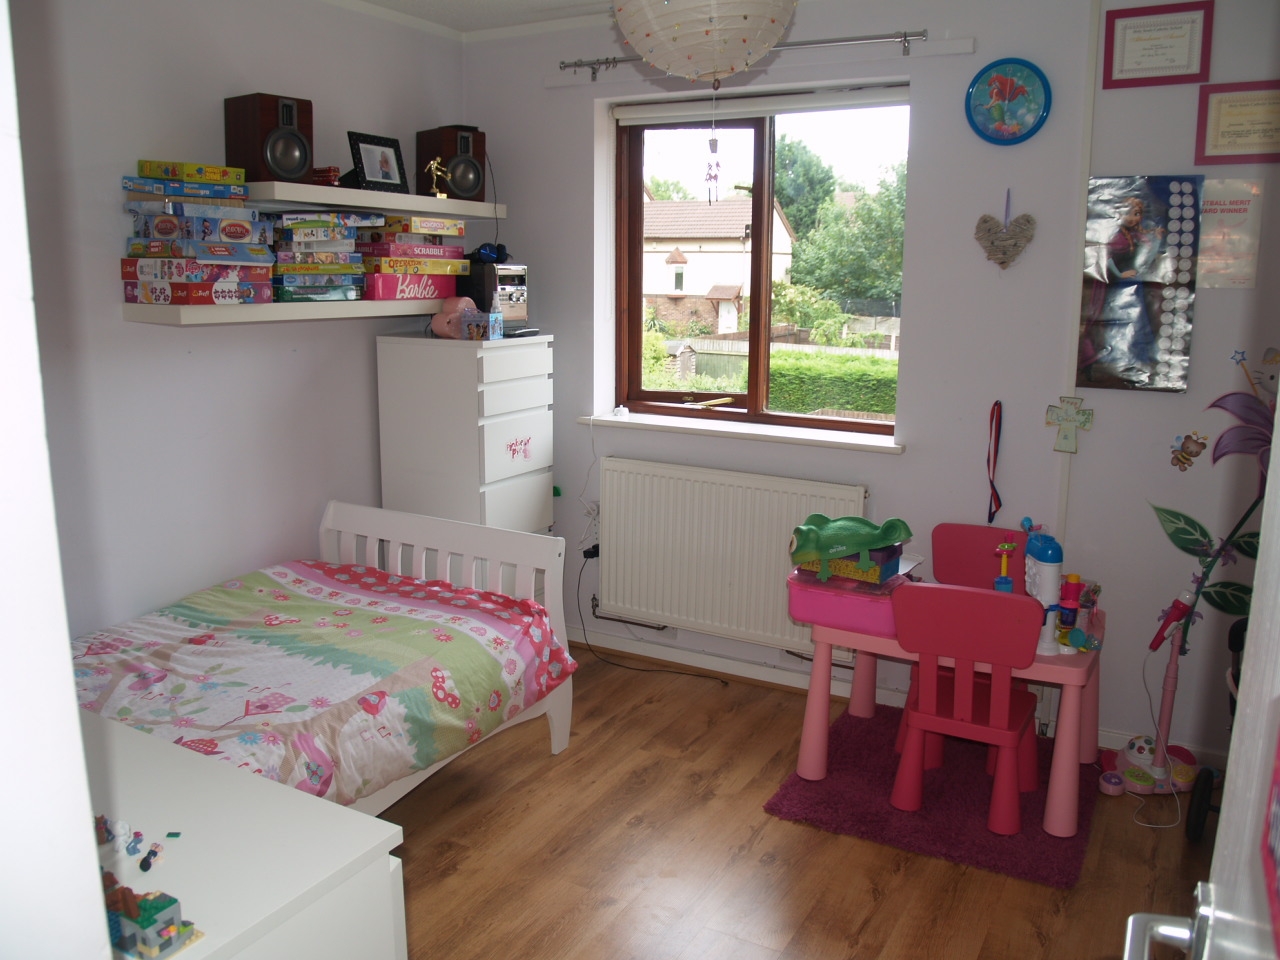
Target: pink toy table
[837,616]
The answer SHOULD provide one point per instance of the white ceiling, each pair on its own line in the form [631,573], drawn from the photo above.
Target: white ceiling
[471,16]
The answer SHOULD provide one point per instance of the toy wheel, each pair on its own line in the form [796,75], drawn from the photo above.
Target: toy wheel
[1198,808]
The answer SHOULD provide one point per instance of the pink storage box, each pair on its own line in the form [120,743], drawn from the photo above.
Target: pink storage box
[841,604]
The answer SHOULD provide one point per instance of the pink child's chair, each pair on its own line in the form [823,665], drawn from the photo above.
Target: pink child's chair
[969,625]
[965,554]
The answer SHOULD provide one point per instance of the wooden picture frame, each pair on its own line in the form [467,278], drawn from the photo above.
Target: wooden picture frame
[1166,43]
[1239,123]
[379,165]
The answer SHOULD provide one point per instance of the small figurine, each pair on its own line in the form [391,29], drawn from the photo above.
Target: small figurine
[145,863]
[134,844]
[101,830]
[437,171]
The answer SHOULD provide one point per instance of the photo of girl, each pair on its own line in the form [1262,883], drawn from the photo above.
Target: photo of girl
[1139,283]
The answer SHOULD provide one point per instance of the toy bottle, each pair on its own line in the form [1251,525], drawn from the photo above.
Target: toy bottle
[1044,571]
[1068,608]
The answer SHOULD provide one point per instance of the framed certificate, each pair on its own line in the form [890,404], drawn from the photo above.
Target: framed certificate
[1239,123]
[1146,46]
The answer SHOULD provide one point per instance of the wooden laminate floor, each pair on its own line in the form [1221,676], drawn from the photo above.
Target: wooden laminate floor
[646,839]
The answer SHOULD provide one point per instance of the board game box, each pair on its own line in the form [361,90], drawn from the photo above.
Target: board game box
[189,208]
[311,294]
[400,286]
[385,236]
[416,265]
[331,218]
[191,271]
[410,250]
[318,280]
[195,172]
[282,268]
[318,257]
[204,228]
[451,228]
[296,234]
[196,250]
[182,188]
[219,293]
[315,246]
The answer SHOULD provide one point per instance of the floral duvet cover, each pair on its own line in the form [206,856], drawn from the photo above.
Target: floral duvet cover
[334,678]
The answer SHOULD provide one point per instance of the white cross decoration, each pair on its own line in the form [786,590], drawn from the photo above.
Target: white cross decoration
[1068,418]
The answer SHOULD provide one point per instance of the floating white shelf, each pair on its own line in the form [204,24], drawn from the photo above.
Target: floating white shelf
[181,316]
[281,195]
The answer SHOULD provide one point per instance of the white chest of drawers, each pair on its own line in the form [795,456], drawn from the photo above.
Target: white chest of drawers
[465,429]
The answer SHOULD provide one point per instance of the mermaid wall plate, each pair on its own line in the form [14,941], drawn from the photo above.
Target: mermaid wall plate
[1008,101]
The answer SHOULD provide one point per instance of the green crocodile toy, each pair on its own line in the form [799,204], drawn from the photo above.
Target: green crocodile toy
[821,538]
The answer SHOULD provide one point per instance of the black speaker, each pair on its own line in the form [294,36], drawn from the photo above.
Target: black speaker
[461,153]
[269,136]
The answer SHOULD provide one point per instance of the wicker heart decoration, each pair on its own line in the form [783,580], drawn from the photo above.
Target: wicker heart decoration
[1004,244]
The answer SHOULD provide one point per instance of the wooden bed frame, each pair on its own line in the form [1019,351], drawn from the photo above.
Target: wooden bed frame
[521,565]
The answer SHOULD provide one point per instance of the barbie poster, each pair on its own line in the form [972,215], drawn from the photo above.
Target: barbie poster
[1141,239]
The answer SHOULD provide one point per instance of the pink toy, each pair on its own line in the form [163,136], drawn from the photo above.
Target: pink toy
[1145,765]
[1004,582]
[448,322]
[1069,601]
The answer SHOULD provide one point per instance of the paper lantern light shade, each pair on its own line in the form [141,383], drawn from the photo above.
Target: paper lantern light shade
[702,39]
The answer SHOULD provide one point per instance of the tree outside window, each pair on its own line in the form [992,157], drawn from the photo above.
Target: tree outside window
[785,262]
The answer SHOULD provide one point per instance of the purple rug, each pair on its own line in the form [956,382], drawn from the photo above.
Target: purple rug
[952,823]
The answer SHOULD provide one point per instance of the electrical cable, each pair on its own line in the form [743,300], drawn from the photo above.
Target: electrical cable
[627,666]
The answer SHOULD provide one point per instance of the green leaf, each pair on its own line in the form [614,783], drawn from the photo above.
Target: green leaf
[1231,598]
[297,707]
[1186,534]
[176,689]
[1247,544]
[124,712]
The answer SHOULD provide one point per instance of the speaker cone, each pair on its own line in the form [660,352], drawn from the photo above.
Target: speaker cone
[287,154]
[465,177]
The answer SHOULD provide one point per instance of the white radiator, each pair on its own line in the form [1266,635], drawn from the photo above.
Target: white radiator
[707,550]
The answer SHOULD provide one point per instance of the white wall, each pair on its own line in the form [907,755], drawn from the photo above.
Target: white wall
[180,455]
[183,455]
[975,333]
[50,895]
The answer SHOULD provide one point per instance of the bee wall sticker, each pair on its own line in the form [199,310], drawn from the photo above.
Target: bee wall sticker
[1186,449]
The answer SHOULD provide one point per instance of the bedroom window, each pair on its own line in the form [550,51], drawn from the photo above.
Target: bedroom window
[780,221]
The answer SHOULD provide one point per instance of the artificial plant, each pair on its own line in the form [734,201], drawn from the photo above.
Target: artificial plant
[1252,437]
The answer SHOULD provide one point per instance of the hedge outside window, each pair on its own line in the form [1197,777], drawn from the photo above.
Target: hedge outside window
[756,283]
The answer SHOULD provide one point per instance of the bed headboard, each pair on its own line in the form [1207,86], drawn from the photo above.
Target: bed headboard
[519,564]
